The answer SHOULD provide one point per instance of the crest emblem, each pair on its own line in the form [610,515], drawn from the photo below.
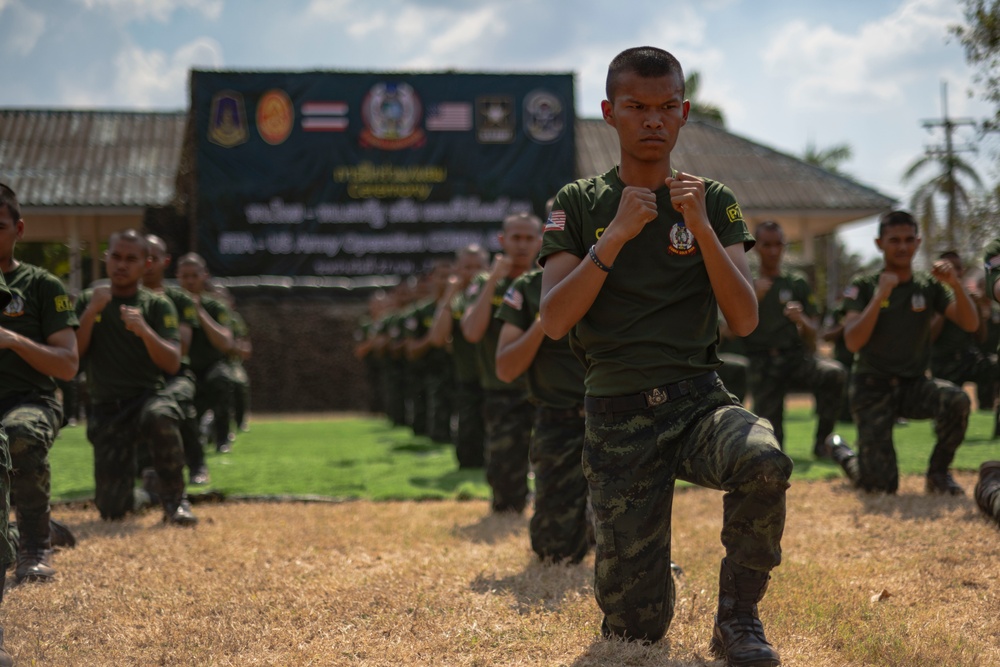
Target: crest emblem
[227,122]
[275,116]
[784,295]
[681,240]
[918,303]
[544,119]
[495,120]
[16,306]
[391,114]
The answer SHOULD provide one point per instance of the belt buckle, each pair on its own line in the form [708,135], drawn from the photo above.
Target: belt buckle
[656,397]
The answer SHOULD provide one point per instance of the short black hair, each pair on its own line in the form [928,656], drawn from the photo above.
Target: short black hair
[896,218]
[194,259]
[525,217]
[9,199]
[131,236]
[647,61]
[768,226]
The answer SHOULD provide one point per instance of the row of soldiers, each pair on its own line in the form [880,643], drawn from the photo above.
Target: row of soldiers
[156,359]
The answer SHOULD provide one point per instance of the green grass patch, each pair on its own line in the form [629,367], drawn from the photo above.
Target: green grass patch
[366,458]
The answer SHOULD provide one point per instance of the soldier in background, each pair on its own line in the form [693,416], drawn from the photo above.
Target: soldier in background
[888,326]
[241,351]
[833,332]
[181,386]
[782,347]
[735,367]
[385,346]
[430,366]
[509,414]
[446,333]
[364,350]
[129,340]
[211,343]
[37,345]
[7,549]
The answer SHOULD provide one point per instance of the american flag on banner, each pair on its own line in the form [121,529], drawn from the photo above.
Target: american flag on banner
[449,117]
[556,222]
[513,298]
[324,116]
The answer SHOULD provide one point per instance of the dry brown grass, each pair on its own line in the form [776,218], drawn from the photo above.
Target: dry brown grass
[445,583]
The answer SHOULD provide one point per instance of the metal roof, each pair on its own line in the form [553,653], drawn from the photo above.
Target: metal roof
[764,180]
[88,159]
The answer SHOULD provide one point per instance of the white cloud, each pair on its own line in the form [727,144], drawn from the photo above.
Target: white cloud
[146,79]
[158,10]
[823,66]
[24,27]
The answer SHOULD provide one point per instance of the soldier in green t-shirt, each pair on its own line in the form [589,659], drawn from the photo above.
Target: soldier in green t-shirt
[431,365]
[508,413]
[888,327]
[37,346]
[7,549]
[129,341]
[365,350]
[987,491]
[781,348]
[637,264]
[446,333]
[558,528]
[180,386]
[211,342]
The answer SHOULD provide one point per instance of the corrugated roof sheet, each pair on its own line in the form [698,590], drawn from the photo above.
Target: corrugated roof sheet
[75,158]
[762,178]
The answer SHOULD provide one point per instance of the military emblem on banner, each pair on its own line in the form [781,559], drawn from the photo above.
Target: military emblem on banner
[495,119]
[544,117]
[681,240]
[227,121]
[391,114]
[275,116]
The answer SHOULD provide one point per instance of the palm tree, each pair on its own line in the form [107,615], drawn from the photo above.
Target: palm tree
[829,158]
[704,111]
[948,183]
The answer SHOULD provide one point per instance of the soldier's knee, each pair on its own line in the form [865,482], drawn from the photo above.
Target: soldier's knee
[23,438]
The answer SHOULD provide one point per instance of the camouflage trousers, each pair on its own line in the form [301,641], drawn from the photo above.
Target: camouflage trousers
[32,424]
[8,550]
[969,366]
[773,376]
[116,429]
[877,402]
[470,435]
[558,527]
[734,371]
[440,389]
[215,389]
[632,460]
[182,389]
[987,492]
[509,418]
[393,382]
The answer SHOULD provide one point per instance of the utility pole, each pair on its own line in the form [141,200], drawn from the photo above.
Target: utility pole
[947,155]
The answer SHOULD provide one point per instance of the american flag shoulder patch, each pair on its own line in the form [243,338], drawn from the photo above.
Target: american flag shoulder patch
[851,292]
[993,262]
[556,222]
[513,298]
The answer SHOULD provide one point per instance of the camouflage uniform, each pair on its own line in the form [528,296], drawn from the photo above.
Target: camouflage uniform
[987,490]
[558,527]
[470,434]
[215,387]
[434,375]
[30,412]
[889,379]
[780,362]
[957,358]
[7,549]
[128,408]
[656,410]
[414,388]
[241,397]
[373,367]
[393,371]
[509,415]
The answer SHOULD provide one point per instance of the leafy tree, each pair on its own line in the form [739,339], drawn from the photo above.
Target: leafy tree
[947,184]
[981,38]
[829,158]
[705,111]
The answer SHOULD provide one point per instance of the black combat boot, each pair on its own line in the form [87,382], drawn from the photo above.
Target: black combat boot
[844,456]
[5,659]
[988,490]
[942,483]
[738,636]
[34,548]
[178,513]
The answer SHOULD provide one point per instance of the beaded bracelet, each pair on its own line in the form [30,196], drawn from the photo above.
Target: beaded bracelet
[601,265]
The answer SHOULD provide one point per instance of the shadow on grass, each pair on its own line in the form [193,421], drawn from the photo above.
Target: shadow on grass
[539,585]
[464,484]
[635,654]
[420,446]
[909,506]
[493,528]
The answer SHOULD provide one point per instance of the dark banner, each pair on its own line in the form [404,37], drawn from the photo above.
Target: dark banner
[355,174]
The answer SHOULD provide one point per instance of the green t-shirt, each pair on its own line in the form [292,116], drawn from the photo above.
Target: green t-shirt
[655,320]
[952,343]
[240,332]
[900,344]
[117,364]
[463,353]
[774,330]
[991,260]
[39,307]
[555,377]
[416,325]
[203,354]
[486,348]
[5,296]
[187,313]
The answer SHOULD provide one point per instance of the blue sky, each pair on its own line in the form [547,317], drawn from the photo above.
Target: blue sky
[786,73]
